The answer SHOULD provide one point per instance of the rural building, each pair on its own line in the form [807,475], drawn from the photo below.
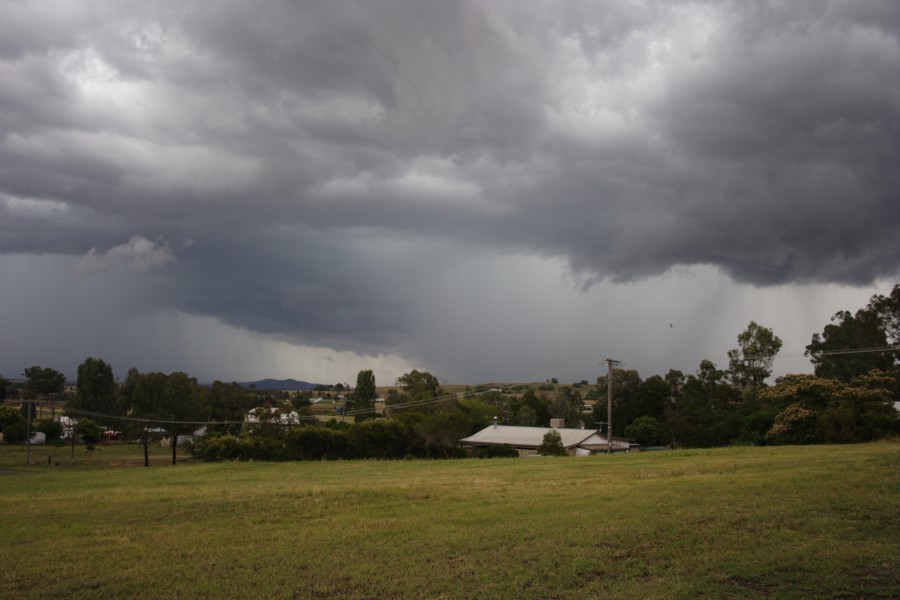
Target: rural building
[262,414]
[526,440]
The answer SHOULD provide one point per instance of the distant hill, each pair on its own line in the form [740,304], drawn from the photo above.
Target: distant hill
[279,384]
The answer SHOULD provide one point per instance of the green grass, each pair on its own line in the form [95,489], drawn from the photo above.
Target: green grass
[103,456]
[788,522]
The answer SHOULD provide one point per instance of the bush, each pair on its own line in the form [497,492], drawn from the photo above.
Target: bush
[552,444]
[312,442]
[646,431]
[15,432]
[504,451]
[52,429]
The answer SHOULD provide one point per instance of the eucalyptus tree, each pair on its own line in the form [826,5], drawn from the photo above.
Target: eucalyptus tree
[750,364]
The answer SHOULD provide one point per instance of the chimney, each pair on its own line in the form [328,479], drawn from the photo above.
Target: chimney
[557,423]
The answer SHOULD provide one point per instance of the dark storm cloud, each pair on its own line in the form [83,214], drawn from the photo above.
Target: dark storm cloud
[309,167]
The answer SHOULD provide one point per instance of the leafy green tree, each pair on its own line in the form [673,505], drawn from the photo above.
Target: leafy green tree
[365,395]
[480,413]
[50,428]
[381,439]
[12,425]
[44,381]
[654,396]
[819,410]
[626,399]
[675,379]
[95,388]
[750,364]
[707,412]
[887,310]
[831,352]
[646,431]
[224,402]
[89,431]
[312,442]
[417,388]
[180,397]
[172,397]
[551,444]
[529,410]
[525,416]
[15,433]
[567,406]
[441,432]
[28,407]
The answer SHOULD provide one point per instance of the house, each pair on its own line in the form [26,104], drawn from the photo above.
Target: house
[526,440]
[263,414]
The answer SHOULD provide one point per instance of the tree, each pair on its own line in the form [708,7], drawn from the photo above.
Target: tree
[706,413]
[5,387]
[225,402]
[831,352]
[28,407]
[364,396]
[646,431]
[567,406]
[653,397]
[819,410]
[481,414]
[12,424]
[551,444]
[887,310]
[750,364]
[441,432]
[626,403]
[529,410]
[89,431]
[44,381]
[50,428]
[417,387]
[95,389]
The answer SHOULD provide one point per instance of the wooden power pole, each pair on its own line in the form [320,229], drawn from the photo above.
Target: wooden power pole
[610,362]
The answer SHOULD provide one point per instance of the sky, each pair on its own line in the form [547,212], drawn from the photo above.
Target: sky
[490,191]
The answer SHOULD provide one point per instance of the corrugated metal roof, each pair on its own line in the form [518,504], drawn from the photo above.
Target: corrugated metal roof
[531,437]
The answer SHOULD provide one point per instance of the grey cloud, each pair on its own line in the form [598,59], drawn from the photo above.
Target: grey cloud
[330,160]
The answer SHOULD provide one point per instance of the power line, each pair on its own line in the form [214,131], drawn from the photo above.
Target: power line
[295,420]
[779,355]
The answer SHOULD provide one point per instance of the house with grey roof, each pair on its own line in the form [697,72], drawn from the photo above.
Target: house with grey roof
[526,440]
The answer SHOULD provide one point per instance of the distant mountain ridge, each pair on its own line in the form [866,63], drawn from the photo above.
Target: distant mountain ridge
[278,384]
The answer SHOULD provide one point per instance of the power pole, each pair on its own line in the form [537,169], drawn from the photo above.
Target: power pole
[28,434]
[609,399]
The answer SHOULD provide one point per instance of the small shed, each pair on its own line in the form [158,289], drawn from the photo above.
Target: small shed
[526,440]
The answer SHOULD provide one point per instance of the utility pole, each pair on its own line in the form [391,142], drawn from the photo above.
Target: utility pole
[28,434]
[609,399]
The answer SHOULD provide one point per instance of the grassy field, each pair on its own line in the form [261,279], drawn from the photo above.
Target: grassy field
[787,522]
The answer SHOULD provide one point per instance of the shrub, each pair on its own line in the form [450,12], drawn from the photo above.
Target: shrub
[504,451]
[552,444]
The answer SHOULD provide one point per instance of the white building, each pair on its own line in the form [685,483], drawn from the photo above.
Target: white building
[526,440]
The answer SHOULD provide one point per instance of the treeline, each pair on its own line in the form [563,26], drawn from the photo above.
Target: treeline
[850,398]
[402,435]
